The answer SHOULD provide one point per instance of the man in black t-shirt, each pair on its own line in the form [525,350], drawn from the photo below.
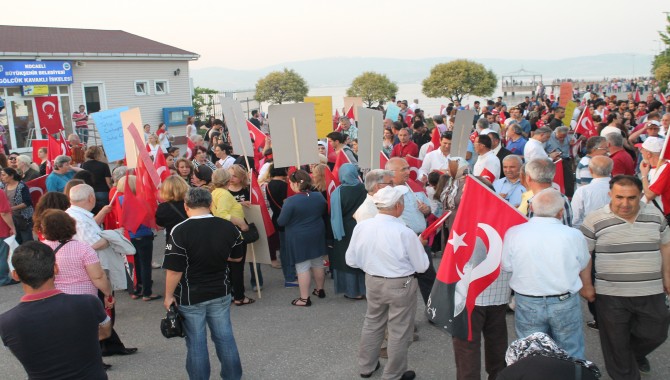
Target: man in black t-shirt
[54,335]
[197,280]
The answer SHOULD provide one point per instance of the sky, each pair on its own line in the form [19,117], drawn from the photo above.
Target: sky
[252,34]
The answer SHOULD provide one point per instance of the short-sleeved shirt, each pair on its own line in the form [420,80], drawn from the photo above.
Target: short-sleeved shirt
[80,123]
[516,147]
[56,182]
[199,248]
[622,163]
[409,149]
[4,208]
[659,184]
[72,259]
[627,255]
[55,335]
[100,171]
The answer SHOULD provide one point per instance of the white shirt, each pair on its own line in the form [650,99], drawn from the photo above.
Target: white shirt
[545,257]
[434,160]
[609,129]
[533,149]
[226,162]
[424,149]
[88,231]
[589,197]
[512,190]
[384,246]
[366,210]
[488,161]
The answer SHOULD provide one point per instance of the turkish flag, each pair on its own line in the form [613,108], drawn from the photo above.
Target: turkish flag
[190,149]
[415,186]
[331,152]
[502,117]
[336,120]
[48,114]
[472,257]
[147,192]
[257,199]
[350,113]
[637,95]
[134,211]
[432,228]
[558,176]
[383,159]
[414,166]
[435,139]
[408,117]
[258,140]
[64,145]
[161,166]
[585,124]
[486,173]
[53,151]
[112,220]
[37,144]
[340,160]
[665,153]
[331,185]
[37,187]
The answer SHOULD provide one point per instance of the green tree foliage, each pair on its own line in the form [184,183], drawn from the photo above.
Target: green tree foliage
[457,79]
[660,67]
[373,88]
[281,86]
[203,101]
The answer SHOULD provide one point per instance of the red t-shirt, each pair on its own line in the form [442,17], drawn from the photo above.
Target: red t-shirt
[659,183]
[411,149]
[623,163]
[4,208]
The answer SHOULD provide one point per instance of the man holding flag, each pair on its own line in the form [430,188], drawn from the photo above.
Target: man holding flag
[655,173]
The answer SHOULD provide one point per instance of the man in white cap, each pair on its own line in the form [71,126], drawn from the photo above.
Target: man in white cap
[390,254]
[655,174]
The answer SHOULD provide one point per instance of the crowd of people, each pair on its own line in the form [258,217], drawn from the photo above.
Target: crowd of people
[601,234]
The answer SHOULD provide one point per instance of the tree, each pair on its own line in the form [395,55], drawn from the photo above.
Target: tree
[281,86]
[373,88]
[203,101]
[457,79]
[660,67]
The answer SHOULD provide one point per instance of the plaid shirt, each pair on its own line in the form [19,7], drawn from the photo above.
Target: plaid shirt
[72,259]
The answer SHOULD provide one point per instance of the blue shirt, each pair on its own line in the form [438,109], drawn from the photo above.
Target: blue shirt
[56,182]
[511,190]
[412,216]
[516,147]
[555,144]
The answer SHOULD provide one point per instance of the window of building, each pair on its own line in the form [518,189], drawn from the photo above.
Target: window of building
[161,87]
[141,87]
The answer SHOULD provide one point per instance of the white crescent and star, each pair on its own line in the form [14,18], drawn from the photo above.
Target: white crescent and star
[457,241]
[53,106]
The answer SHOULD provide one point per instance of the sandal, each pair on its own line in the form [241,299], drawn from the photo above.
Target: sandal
[152,297]
[245,301]
[306,302]
[319,293]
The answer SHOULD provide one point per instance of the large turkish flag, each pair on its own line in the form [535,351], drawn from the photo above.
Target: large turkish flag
[48,114]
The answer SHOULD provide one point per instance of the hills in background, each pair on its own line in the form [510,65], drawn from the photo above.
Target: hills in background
[340,71]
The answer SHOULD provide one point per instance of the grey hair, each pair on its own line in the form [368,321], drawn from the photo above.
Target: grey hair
[80,193]
[601,166]
[375,177]
[541,170]
[438,119]
[118,173]
[561,129]
[547,203]
[482,123]
[615,139]
[198,197]
[61,160]
[593,142]
[515,158]
[517,128]
[24,159]
[196,138]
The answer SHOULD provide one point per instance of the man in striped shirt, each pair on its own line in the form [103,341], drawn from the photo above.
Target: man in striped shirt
[631,243]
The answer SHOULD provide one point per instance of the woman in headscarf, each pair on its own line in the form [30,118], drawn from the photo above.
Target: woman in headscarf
[344,202]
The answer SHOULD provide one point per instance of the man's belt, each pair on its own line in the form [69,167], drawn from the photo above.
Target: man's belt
[394,278]
[561,297]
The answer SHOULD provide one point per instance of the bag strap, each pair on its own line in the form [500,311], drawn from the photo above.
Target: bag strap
[177,210]
[269,192]
[61,246]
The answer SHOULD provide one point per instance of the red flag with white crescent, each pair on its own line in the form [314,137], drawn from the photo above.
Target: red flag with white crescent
[37,187]
[434,139]
[383,159]
[472,257]
[53,151]
[415,186]
[414,166]
[408,117]
[161,166]
[257,199]
[336,120]
[258,140]
[486,173]
[559,180]
[340,160]
[48,114]
[64,145]
[331,185]
[331,152]
[585,124]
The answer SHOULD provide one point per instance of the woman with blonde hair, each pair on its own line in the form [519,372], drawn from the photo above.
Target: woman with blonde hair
[154,145]
[171,211]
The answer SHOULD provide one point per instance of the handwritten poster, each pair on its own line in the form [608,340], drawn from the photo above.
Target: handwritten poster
[110,129]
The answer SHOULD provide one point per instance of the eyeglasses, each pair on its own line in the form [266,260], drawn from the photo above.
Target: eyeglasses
[12,158]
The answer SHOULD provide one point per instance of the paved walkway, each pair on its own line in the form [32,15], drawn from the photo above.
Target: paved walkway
[280,341]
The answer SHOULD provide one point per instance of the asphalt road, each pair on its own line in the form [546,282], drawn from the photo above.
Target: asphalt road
[280,341]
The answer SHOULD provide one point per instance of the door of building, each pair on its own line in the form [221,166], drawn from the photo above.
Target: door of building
[94,97]
[21,111]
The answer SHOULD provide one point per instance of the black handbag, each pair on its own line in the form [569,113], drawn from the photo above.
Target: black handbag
[251,235]
[171,325]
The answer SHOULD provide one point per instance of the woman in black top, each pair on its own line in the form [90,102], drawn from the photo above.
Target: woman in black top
[171,211]
[276,192]
[102,176]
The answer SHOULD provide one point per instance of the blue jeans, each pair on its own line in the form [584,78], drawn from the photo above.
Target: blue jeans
[144,247]
[288,269]
[5,278]
[216,313]
[83,134]
[562,320]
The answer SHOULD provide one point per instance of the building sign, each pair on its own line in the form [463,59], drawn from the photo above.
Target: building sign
[25,73]
[41,90]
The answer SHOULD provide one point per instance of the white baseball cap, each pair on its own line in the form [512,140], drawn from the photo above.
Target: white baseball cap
[388,196]
[652,144]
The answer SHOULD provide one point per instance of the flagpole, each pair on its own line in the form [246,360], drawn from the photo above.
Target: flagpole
[372,143]
[295,142]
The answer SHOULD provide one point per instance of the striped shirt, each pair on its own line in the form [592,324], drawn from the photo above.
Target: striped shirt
[627,255]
